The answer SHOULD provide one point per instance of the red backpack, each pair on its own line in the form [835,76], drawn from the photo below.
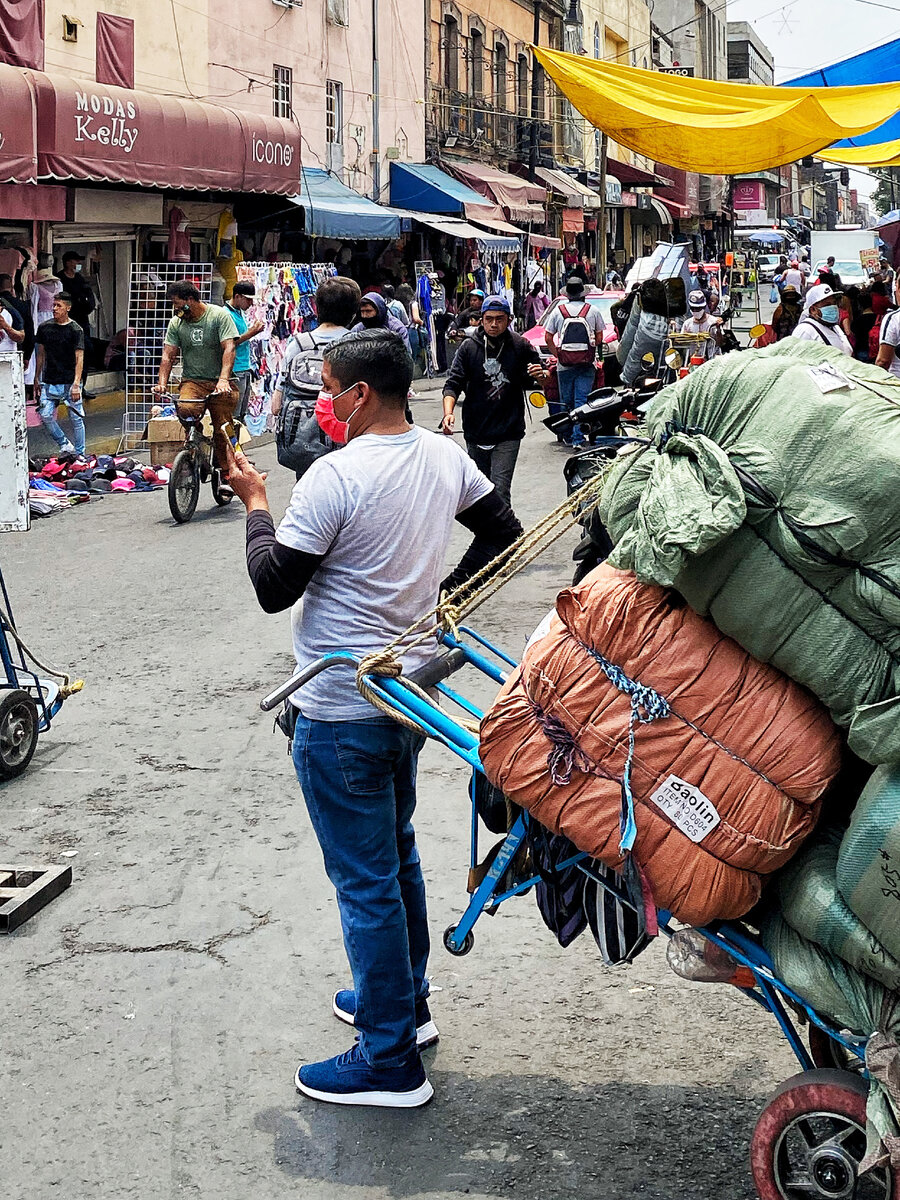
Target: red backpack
[875,334]
[577,345]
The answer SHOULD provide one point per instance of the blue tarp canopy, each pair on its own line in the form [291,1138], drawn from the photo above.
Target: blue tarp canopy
[428,189]
[881,65]
[335,211]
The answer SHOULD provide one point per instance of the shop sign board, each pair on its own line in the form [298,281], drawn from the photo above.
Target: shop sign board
[869,259]
[749,194]
[685,72]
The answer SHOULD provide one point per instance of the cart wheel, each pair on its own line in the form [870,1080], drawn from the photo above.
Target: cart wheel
[220,498]
[810,1140]
[18,732]
[831,1055]
[184,486]
[467,945]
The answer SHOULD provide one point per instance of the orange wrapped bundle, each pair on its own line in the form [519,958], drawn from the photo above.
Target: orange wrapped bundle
[634,724]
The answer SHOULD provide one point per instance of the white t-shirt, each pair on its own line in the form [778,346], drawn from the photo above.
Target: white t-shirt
[381,510]
[572,308]
[810,330]
[705,324]
[890,336]
[794,277]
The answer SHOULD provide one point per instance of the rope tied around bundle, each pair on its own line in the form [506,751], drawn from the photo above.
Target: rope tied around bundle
[454,606]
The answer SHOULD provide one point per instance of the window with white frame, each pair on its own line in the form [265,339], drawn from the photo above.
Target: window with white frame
[334,112]
[283,92]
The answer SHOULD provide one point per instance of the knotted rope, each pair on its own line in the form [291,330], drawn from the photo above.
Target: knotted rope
[454,606]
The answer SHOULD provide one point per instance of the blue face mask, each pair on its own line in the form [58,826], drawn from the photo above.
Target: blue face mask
[830,314]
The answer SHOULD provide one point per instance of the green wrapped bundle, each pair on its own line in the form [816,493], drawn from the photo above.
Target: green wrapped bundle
[808,896]
[771,503]
[868,866]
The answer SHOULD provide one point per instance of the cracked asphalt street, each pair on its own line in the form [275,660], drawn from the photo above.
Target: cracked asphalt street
[154,1014]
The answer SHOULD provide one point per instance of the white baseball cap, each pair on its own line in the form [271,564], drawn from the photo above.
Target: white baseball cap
[820,293]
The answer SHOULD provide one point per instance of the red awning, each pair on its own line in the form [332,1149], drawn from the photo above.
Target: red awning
[18,140]
[538,242]
[630,176]
[676,209]
[116,135]
[523,201]
[572,220]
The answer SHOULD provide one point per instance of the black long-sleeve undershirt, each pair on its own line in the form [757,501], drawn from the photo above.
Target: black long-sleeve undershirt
[280,574]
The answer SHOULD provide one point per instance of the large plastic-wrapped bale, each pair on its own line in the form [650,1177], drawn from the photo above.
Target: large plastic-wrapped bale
[631,692]
[868,866]
[852,1001]
[768,499]
[807,895]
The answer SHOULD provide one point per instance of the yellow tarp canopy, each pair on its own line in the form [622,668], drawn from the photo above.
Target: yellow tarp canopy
[882,154]
[712,127]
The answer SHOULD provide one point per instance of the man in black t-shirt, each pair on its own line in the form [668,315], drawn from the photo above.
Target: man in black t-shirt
[83,303]
[59,367]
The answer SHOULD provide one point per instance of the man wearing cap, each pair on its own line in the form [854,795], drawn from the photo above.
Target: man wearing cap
[793,276]
[242,299]
[466,317]
[493,368]
[821,320]
[576,381]
[83,302]
[702,321]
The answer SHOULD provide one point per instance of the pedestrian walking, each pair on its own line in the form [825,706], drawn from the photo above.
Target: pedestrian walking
[364,542]
[793,277]
[241,300]
[467,318]
[205,335]
[493,369]
[863,323]
[821,320]
[58,372]
[573,333]
[374,314]
[889,337]
[536,304]
[395,306]
[787,314]
[83,303]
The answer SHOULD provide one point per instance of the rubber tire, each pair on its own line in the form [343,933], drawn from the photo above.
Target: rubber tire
[830,1055]
[466,946]
[217,495]
[18,705]
[822,1090]
[184,462]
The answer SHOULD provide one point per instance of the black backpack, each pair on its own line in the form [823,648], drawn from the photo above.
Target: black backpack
[299,438]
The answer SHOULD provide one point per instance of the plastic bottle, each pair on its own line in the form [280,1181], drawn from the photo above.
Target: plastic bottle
[693,956]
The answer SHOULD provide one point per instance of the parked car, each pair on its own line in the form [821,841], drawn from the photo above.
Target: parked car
[850,270]
[767,267]
[597,299]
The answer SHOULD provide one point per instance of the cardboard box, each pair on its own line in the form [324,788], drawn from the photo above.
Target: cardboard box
[165,436]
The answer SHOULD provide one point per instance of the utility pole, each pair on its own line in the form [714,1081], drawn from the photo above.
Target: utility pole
[376,115]
[601,221]
[537,79]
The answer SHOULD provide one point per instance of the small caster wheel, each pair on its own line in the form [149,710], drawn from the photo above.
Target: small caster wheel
[831,1055]
[467,945]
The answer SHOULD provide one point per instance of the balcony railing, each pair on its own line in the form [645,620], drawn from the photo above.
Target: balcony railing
[480,127]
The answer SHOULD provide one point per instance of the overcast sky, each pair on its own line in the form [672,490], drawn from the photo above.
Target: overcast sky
[805,34]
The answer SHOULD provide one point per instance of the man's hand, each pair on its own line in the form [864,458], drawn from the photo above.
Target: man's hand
[536,371]
[255,328]
[248,484]
[75,387]
[222,388]
[160,389]
[447,423]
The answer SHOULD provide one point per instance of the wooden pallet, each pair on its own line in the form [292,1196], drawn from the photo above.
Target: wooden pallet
[25,890]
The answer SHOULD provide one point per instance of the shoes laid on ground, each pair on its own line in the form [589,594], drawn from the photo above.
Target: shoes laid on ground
[343,1005]
[348,1079]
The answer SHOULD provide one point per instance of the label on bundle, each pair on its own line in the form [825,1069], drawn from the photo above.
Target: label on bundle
[686,807]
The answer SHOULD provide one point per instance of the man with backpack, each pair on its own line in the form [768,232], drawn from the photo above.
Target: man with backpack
[299,438]
[493,367]
[573,332]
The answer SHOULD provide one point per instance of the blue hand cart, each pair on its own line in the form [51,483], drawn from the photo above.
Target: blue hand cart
[811,1138]
[28,701]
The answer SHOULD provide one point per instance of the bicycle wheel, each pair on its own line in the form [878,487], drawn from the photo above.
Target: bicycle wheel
[184,486]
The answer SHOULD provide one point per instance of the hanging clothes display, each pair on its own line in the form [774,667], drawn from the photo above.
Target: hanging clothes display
[285,304]
[42,291]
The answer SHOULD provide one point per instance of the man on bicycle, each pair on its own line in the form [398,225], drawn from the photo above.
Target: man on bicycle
[207,336]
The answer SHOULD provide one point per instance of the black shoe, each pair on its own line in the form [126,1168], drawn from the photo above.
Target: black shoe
[88,395]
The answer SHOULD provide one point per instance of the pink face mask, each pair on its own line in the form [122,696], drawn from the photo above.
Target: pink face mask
[338,431]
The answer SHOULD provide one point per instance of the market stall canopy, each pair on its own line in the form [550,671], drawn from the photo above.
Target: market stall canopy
[117,135]
[491,216]
[711,127]
[462,230]
[885,154]
[631,176]
[575,194]
[332,210]
[522,201]
[879,65]
[426,188]
[18,135]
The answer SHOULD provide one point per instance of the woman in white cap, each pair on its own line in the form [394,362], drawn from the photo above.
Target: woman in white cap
[821,320]
[702,321]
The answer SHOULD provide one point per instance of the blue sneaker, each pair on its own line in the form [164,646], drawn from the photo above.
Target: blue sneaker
[343,1006]
[348,1079]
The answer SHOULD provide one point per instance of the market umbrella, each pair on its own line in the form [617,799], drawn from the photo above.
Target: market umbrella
[769,238]
[709,126]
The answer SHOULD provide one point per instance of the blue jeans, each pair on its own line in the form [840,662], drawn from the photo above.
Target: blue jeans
[575,384]
[359,783]
[52,395]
